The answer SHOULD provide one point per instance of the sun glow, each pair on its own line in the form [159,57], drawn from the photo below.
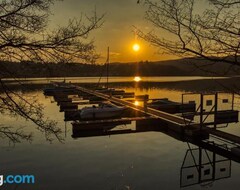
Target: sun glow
[136,47]
[137,79]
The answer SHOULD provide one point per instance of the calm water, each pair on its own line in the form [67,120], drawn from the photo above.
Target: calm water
[150,160]
[111,79]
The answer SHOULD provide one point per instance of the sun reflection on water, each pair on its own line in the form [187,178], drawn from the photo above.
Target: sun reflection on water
[137,79]
[136,103]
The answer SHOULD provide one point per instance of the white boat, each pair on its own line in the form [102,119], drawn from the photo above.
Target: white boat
[103,111]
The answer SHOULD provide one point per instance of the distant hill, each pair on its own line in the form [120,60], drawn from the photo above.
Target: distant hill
[191,66]
[181,67]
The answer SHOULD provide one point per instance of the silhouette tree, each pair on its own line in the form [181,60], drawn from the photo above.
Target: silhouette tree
[25,35]
[180,27]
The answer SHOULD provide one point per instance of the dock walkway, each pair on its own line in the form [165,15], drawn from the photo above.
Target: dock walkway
[173,121]
[149,111]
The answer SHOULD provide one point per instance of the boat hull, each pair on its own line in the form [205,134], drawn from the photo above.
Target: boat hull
[95,113]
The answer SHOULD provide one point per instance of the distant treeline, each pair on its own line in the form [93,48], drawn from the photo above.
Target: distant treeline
[182,67]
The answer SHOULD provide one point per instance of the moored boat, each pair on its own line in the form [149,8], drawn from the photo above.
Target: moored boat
[172,107]
[103,111]
[59,89]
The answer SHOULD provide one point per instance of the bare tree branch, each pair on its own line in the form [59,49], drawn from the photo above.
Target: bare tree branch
[180,29]
[25,36]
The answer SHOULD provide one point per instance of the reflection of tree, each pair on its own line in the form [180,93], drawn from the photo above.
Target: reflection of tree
[15,136]
[181,28]
[14,104]
[24,35]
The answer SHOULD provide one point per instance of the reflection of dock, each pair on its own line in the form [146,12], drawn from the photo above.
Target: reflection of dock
[206,164]
[101,124]
[153,125]
[201,166]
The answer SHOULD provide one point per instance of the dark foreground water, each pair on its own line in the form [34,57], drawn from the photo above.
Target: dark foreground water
[150,160]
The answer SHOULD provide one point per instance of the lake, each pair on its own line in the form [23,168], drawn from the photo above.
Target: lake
[147,160]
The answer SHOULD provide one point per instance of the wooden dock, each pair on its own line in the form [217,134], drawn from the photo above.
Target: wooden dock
[149,119]
[149,111]
[173,122]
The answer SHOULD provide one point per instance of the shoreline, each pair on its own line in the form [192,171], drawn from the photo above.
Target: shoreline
[200,85]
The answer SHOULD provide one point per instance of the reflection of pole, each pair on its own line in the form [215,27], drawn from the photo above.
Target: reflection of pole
[214,166]
[232,100]
[65,129]
[200,165]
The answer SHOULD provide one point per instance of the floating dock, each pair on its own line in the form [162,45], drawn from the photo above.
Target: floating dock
[173,122]
[149,119]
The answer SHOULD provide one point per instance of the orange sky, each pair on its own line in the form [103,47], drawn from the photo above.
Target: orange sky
[117,31]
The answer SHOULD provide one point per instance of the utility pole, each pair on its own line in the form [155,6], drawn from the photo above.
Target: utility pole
[107,65]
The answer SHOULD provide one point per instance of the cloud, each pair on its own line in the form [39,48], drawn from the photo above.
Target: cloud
[115,54]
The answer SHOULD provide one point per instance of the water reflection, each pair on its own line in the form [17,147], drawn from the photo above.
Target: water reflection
[15,104]
[104,80]
[136,103]
[137,155]
[183,84]
[137,79]
[202,165]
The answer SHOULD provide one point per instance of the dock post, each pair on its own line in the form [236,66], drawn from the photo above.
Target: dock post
[201,111]
[215,110]
[182,98]
[145,103]
[233,100]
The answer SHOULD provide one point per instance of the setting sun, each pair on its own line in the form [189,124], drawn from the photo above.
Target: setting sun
[136,47]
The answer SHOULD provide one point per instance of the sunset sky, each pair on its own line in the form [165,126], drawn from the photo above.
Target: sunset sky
[117,31]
